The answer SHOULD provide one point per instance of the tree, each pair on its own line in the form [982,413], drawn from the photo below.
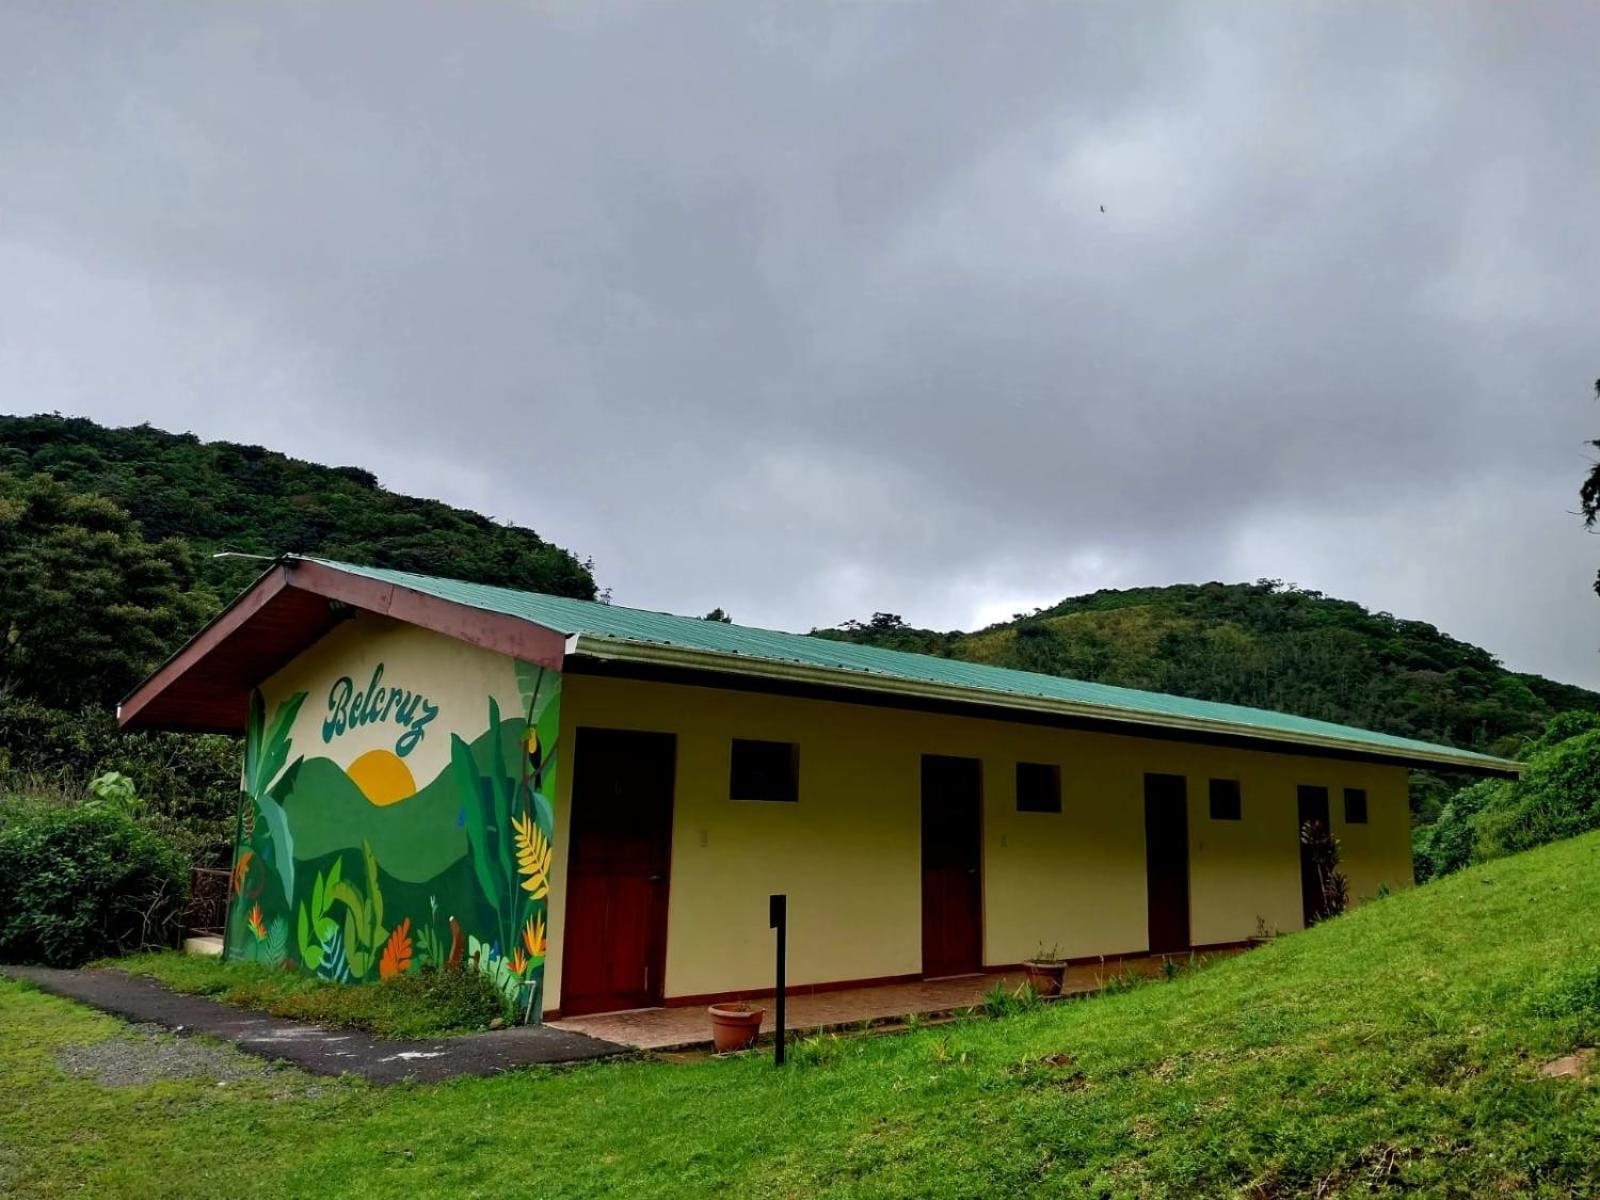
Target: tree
[1589,494]
[87,606]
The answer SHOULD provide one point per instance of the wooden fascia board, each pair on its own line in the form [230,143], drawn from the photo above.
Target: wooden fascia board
[256,597]
[497,632]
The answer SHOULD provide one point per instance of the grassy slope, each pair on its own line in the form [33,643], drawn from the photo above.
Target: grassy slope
[1394,1047]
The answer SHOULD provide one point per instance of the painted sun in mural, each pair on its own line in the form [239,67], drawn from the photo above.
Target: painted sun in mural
[382,777]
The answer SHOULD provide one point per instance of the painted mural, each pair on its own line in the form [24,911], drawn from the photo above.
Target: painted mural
[351,867]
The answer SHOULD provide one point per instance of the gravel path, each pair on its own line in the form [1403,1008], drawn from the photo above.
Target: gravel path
[315,1048]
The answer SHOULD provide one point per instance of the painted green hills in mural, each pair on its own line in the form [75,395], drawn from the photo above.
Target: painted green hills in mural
[329,813]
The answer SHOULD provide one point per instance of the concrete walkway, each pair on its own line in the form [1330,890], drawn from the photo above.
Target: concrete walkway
[315,1048]
[688,1027]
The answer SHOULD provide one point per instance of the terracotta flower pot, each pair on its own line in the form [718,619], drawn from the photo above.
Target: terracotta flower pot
[1046,976]
[734,1026]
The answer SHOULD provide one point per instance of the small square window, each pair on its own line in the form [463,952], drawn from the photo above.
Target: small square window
[1225,802]
[1355,806]
[1038,787]
[764,771]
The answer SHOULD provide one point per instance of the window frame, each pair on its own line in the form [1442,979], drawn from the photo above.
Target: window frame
[1354,793]
[735,779]
[1054,775]
[1236,799]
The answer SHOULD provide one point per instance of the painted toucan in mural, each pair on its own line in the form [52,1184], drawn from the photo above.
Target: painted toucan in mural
[535,759]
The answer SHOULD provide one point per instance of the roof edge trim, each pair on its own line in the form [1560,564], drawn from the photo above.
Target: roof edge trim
[652,654]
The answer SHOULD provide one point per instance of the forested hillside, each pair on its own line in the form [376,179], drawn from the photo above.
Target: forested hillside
[105,544]
[224,496]
[106,538]
[1268,645]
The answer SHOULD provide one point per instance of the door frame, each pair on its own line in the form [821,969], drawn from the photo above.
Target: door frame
[1321,797]
[982,874]
[1188,866]
[656,960]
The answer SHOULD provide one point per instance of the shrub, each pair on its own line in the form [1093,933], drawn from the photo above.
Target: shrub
[1451,842]
[187,784]
[81,881]
[422,1003]
[456,999]
[1557,797]
[1000,1002]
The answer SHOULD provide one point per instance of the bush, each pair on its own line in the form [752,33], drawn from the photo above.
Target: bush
[188,783]
[1451,842]
[454,999]
[81,881]
[423,1003]
[1557,797]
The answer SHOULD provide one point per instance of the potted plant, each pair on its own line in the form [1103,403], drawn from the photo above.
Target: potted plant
[734,1025]
[1047,970]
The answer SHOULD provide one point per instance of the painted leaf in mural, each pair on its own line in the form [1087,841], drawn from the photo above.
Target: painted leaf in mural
[315,927]
[256,926]
[530,679]
[534,939]
[497,968]
[364,933]
[498,781]
[265,752]
[276,751]
[274,951]
[282,840]
[396,958]
[333,964]
[470,785]
[533,857]
[241,871]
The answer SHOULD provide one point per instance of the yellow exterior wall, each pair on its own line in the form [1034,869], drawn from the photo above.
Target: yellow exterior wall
[848,854]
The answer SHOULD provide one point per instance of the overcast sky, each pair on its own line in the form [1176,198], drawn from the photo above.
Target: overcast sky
[812,310]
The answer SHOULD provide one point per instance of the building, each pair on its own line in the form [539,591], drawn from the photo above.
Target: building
[598,801]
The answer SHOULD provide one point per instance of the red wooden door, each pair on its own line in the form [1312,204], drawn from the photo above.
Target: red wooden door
[1312,803]
[615,947]
[952,883]
[1166,859]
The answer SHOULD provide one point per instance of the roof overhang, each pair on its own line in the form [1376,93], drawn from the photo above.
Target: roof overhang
[611,656]
[205,686]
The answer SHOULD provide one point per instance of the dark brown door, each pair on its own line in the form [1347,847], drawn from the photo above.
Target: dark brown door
[613,954]
[952,885]
[1313,805]
[1166,861]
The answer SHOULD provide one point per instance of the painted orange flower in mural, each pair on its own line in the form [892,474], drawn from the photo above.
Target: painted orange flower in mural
[533,856]
[519,962]
[396,958]
[533,937]
[240,870]
[257,925]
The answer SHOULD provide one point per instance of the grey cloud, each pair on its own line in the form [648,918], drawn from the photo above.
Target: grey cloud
[809,311]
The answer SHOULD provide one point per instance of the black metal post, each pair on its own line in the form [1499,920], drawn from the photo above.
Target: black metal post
[778,916]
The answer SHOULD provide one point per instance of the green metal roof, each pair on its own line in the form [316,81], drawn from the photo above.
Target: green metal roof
[601,626]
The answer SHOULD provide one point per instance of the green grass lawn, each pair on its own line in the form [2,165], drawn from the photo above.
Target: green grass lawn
[1396,1048]
[418,1005]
